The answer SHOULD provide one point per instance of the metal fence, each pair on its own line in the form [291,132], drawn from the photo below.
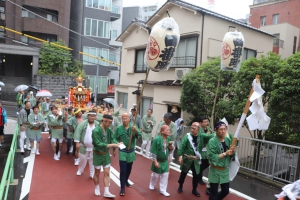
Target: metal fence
[275,161]
[8,174]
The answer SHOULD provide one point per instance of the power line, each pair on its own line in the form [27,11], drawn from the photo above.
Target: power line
[62,26]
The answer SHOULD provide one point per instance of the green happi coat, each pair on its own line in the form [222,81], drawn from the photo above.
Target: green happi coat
[32,121]
[72,124]
[99,118]
[53,121]
[186,148]
[172,127]
[214,149]
[113,127]
[123,135]
[45,111]
[162,154]
[80,134]
[22,118]
[100,142]
[147,128]
[204,150]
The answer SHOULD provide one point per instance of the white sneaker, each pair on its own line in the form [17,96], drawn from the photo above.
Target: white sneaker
[37,152]
[49,137]
[165,194]
[29,149]
[32,151]
[55,157]
[97,190]
[22,151]
[76,162]
[58,154]
[71,149]
[173,158]
[151,187]
[78,173]
[108,195]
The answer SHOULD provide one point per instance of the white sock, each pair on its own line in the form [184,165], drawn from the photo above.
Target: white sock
[106,190]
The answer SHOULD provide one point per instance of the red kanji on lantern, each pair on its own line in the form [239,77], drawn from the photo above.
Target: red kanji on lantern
[212,2]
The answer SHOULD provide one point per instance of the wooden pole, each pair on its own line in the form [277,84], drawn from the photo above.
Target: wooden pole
[246,108]
[215,101]
[138,105]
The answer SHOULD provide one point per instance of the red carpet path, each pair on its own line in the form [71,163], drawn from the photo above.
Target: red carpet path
[57,180]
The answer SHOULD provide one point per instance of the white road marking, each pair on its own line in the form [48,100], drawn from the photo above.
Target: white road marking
[117,175]
[28,175]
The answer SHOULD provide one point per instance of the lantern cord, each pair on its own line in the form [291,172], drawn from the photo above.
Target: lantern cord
[168,13]
[138,105]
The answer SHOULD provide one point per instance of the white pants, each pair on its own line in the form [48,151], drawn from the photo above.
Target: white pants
[171,153]
[21,141]
[83,160]
[163,181]
[146,144]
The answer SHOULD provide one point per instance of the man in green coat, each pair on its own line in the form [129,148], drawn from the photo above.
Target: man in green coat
[160,149]
[167,121]
[55,120]
[189,154]
[148,122]
[103,139]
[36,121]
[84,142]
[19,100]
[205,129]
[126,155]
[219,154]
[46,106]
[24,126]
[98,115]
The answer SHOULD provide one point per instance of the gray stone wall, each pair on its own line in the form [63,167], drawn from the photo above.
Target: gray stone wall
[57,85]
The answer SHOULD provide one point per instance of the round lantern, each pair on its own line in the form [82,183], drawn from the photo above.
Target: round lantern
[162,43]
[232,51]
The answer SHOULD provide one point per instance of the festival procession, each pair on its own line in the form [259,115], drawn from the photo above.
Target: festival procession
[217,131]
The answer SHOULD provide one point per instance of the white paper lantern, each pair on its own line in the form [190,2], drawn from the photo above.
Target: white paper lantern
[232,51]
[162,43]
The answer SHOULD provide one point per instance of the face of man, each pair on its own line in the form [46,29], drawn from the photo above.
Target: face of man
[48,100]
[91,118]
[95,110]
[78,115]
[125,119]
[166,131]
[36,110]
[167,120]
[204,123]
[221,131]
[149,113]
[106,123]
[133,112]
[54,111]
[195,128]
[27,105]
[28,97]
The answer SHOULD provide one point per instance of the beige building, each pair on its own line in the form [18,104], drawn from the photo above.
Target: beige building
[201,31]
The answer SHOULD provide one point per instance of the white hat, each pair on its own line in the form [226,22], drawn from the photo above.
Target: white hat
[134,104]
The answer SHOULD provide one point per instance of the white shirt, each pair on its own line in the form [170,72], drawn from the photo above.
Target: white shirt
[47,105]
[88,142]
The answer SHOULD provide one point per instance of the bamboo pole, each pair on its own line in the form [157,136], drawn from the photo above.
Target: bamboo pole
[215,101]
[138,105]
[246,108]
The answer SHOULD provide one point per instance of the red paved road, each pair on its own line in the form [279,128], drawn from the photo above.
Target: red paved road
[58,180]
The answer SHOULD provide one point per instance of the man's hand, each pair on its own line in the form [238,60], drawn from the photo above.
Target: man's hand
[38,123]
[77,146]
[134,129]
[229,152]
[141,129]
[180,160]
[171,147]
[114,153]
[156,164]
[22,128]
[232,148]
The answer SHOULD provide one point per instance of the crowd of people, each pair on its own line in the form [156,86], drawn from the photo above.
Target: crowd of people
[93,137]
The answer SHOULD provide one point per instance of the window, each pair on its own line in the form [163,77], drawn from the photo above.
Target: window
[98,83]
[114,34]
[2,13]
[25,13]
[96,28]
[276,19]
[248,53]
[294,44]
[52,18]
[185,55]
[99,4]
[263,21]
[27,40]
[113,57]
[87,60]
[111,81]
[123,99]
[146,104]
[139,61]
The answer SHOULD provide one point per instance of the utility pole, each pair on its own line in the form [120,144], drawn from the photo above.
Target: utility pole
[96,87]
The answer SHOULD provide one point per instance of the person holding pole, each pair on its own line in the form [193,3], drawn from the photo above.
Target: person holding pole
[124,133]
[219,154]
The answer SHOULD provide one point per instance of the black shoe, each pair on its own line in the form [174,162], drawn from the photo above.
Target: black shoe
[201,182]
[122,192]
[128,184]
[179,190]
[197,194]
[207,191]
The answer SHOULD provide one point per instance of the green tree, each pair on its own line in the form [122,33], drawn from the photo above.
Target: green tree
[199,87]
[58,61]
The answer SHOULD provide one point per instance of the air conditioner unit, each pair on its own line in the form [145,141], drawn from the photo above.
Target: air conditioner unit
[180,72]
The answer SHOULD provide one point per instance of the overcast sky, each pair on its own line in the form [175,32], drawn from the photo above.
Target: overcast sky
[232,8]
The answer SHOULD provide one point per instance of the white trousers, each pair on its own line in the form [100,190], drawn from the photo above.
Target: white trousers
[21,140]
[163,183]
[171,153]
[83,158]
[146,144]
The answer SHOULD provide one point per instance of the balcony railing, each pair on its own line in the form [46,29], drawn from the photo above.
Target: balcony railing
[184,62]
[264,1]
[115,9]
[278,43]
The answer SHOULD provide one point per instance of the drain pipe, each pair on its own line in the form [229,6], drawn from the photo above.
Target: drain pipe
[202,31]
